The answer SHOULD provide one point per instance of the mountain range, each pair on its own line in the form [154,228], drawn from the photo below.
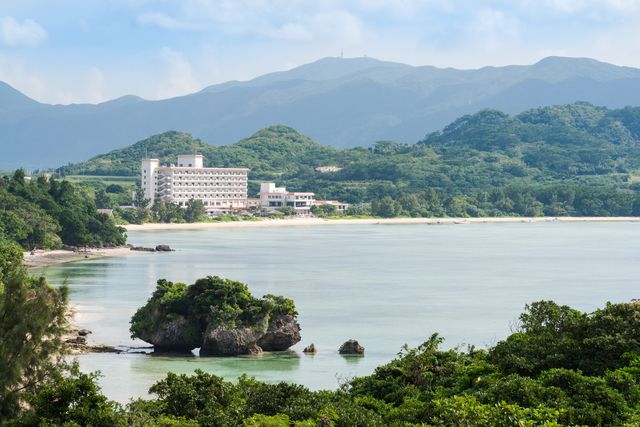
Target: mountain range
[335,101]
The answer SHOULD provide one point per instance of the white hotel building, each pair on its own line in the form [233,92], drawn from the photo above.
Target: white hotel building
[272,198]
[222,190]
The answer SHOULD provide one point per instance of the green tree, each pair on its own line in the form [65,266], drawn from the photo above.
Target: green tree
[204,397]
[10,260]
[141,205]
[324,210]
[159,210]
[71,398]
[103,201]
[19,176]
[359,209]
[286,211]
[115,189]
[13,228]
[32,320]
[194,211]
[386,208]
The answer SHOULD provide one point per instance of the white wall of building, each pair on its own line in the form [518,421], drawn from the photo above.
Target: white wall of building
[149,178]
[272,198]
[190,161]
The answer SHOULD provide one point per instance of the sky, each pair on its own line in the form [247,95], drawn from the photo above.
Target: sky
[90,51]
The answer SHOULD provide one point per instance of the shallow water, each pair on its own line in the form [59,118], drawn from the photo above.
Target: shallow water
[385,285]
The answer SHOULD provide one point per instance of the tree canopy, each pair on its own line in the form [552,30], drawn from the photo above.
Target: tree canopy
[32,320]
[45,213]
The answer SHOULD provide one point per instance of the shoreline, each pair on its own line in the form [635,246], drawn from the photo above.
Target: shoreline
[44,258]
[366,221]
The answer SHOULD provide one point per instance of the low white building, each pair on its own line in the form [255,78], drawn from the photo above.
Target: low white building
[272,198]
[222,190]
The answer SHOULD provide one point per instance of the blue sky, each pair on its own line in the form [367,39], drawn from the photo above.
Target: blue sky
[68,51]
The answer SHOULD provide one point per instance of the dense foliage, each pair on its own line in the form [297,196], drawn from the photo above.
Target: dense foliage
[45,213]
[209,302]
[32,320]
[575,159]
[562,367]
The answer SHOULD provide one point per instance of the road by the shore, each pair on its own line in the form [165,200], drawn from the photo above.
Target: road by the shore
[319,221]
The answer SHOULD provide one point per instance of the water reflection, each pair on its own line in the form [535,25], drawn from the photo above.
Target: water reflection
[352,358]
[260,366]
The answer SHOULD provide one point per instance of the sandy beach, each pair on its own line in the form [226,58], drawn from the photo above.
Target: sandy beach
[43,258]
[319,221]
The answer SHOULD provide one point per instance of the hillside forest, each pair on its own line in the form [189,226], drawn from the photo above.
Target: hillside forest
[569,160]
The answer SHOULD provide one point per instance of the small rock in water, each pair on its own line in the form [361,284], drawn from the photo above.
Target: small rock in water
[309,349]
[142,249]
[255,350]
[103,349]
[77,340]
[163,248]
[84,332]
[351,347]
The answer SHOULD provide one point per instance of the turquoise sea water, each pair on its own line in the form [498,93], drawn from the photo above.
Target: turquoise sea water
[385,285]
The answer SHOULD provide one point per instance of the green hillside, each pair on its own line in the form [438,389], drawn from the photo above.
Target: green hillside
[575,159]
[270,152]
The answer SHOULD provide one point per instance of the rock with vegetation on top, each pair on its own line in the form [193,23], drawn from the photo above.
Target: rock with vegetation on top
[351,347]
[283,332]
[218,315]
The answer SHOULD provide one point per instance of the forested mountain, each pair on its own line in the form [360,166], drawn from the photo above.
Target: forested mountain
[269,152]
[339,102]
[575,159]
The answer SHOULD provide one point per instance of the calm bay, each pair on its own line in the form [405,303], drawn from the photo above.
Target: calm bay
[385,285]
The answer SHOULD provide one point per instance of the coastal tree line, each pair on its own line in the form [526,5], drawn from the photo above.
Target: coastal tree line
[47,213]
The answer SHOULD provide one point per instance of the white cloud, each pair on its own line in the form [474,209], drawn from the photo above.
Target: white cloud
[293,32]
[489,22]
[25,33]
[95,85]
[14,72]
[493,31]
[339,26]
[565,6]
[592,8]
[627,5]
[165,21]
[180,78]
